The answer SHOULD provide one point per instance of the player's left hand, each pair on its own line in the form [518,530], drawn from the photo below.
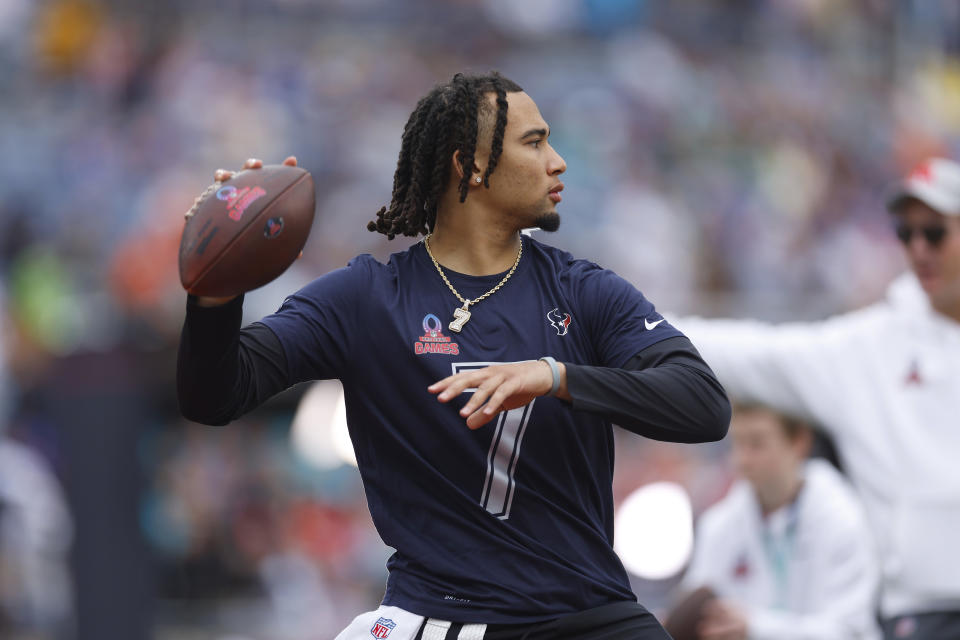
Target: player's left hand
[499,388]
[723,620]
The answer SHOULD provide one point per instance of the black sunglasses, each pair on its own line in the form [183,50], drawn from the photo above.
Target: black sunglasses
[934,235]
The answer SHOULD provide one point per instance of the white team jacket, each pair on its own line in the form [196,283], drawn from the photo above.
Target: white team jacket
[825,586]
[885,382]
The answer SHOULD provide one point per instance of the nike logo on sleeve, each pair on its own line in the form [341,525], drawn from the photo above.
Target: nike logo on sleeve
[651,325]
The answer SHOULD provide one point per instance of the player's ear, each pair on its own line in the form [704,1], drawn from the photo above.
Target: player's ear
[457,166]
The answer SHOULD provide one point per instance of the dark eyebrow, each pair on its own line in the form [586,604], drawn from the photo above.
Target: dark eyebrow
[536,132]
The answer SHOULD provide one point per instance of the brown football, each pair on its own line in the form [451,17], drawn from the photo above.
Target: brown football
[247,232]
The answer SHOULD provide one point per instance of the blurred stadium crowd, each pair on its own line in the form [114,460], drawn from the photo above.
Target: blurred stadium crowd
[726,156]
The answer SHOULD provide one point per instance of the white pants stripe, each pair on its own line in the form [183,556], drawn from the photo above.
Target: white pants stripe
[435,629]
[472,632]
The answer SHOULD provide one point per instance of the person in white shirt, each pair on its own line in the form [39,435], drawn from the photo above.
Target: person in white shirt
[787,552]
[884,381]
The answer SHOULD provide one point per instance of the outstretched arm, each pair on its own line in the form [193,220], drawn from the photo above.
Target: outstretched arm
[665,392]
[801,368]
[223,371]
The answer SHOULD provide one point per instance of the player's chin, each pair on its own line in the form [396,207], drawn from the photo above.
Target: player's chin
[549,221]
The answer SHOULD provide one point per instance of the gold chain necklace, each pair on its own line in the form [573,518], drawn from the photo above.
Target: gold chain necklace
[461,315]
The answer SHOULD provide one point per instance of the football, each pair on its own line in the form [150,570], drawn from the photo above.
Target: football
[246,231]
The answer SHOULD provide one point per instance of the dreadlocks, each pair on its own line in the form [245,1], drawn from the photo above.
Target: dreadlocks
[445,120]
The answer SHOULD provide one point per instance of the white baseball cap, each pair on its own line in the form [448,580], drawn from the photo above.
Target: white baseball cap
[935,183]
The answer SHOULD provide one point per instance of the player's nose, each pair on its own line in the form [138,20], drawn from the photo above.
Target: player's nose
[556,164]
[918,248]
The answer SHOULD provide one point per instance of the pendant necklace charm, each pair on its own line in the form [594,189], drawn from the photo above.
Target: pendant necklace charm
[462,314]
[460,317]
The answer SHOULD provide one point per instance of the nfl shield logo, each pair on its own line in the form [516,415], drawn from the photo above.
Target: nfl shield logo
[382,628]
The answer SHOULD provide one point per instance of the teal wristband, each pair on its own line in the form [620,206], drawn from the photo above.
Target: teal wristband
[555,370]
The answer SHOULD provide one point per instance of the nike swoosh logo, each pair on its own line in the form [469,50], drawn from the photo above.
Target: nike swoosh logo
[651,325]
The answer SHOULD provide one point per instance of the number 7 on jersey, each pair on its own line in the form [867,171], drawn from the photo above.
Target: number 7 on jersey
[504,454]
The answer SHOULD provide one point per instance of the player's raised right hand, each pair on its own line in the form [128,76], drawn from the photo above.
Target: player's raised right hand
[245,230]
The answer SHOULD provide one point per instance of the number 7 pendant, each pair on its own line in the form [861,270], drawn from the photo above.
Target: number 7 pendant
[460,317]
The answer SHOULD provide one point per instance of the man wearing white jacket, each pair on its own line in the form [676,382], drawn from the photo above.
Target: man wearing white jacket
[885,382]
[788,550]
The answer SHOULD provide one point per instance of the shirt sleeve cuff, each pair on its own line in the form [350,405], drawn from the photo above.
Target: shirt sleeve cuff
[577,384]
[209,326]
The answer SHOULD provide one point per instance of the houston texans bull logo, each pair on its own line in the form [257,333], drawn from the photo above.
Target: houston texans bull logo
[560,320]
